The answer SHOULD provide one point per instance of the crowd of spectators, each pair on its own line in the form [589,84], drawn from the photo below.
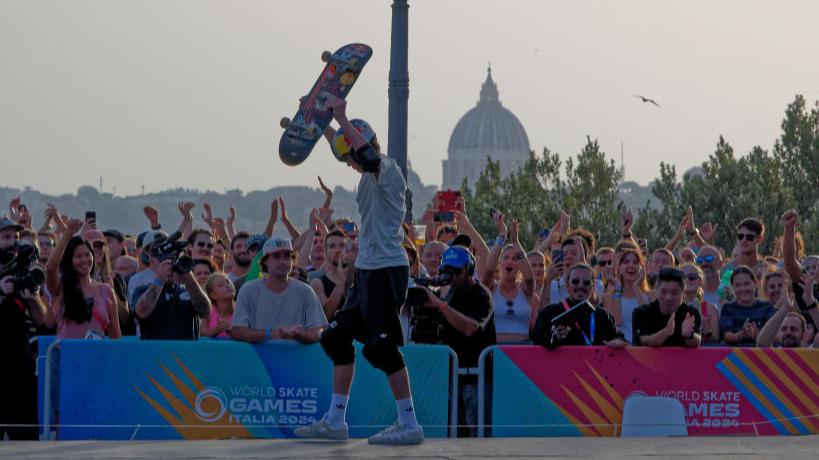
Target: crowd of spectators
[217,282]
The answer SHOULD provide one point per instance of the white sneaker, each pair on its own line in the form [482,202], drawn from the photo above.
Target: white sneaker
[322,430]
[398,434]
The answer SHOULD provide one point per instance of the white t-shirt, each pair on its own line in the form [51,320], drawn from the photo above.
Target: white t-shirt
[258,307]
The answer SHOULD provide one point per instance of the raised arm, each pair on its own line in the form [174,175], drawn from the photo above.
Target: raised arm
[481,249]
[790,220]
[291,229]
[491,266]
[522,263]
[271,221]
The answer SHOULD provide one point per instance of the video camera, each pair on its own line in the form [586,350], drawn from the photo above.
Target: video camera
[426,323]
[170,248]
[23,267]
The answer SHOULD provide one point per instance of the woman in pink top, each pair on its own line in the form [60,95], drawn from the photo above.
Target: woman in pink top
[82,307]
[221,292]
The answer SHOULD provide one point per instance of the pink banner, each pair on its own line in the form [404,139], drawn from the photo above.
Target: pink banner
[581,391]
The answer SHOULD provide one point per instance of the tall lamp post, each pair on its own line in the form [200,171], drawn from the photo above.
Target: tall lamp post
[399,91]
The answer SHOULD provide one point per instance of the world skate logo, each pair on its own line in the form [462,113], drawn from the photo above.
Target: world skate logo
[210,404]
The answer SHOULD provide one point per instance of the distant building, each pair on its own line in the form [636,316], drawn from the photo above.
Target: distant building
[487,130]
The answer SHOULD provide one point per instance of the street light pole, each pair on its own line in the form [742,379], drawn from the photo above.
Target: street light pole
[398,91]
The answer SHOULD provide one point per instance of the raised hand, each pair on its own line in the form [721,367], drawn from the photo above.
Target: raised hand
[808,283]
[688,325]
[627,221]
[72,227]
[53,214]
[670,325]
[152,214]
[14,208]
[185,208]
[689,219]
[274,210]
[281,206]
[219,227]
[514,229]
[231,215]
[461,219]
[207,216]
[708,230]
[326,216]
[790,219]
[328,194]
[500,225]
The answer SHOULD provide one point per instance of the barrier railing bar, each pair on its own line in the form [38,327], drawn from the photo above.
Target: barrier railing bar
[482,389]
[453,414]
[47,392]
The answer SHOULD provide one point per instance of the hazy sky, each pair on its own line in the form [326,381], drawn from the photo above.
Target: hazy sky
[189,93]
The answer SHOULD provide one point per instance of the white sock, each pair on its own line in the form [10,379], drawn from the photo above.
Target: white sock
[406,413]
[338,410]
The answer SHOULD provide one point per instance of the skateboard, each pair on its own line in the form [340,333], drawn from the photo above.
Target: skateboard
[305,129]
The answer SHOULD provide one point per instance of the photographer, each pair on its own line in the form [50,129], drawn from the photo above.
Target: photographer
[593,327]
[468,327]
[18,387]
[169,307]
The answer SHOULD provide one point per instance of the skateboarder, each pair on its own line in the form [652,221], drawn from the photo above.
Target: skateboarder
[370,313]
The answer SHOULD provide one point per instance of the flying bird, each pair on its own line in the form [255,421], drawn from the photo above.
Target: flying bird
[645,99]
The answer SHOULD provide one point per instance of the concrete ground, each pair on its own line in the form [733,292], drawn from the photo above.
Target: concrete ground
[779,447]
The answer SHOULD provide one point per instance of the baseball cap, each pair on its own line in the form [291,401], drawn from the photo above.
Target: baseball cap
[112,233]
[5,223]
[256,239]
[150,237]
[455,256]
[461,240]
[276,245]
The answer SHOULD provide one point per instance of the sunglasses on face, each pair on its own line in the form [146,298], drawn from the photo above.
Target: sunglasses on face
[281,255]
[692,276]
[203,244]
[98,245]
[577,282]
[604,263]
[705,259]
[746,236]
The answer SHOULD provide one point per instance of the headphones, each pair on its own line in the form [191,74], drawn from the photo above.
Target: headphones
[457,256]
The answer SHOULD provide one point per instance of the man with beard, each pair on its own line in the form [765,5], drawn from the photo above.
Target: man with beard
[787,328]
[241,259]
[595,327]
[336,273]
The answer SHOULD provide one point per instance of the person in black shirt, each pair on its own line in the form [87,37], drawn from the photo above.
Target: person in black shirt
[169,308]
[596,326]
[668,322]
[18,386]
[469,327]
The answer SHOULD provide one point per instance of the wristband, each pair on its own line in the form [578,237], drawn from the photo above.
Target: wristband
[811,306]
[157,227]
[442,307]
[500,240]
[267,334]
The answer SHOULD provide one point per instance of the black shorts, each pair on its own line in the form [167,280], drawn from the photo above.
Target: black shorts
[370,313]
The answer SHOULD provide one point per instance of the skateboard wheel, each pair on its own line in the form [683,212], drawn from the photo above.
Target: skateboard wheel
[325,56]
[284,122]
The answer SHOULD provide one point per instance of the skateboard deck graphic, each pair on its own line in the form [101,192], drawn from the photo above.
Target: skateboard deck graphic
[337,78]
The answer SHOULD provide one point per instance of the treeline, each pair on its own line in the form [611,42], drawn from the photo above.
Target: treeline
[728,187]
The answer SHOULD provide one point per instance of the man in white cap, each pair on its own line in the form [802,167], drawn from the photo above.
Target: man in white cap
[277,306]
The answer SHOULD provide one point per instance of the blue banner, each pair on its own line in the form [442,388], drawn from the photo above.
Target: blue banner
[224,389]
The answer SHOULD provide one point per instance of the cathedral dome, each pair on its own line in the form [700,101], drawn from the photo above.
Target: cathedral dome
[486,130]
[489,125]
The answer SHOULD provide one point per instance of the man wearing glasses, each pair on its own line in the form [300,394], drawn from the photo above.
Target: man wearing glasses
[595,327]
[200,244]
[668,322]
[277,306]
[750,233]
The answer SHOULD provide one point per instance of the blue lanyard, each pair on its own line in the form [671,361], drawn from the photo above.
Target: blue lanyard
[591,327]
